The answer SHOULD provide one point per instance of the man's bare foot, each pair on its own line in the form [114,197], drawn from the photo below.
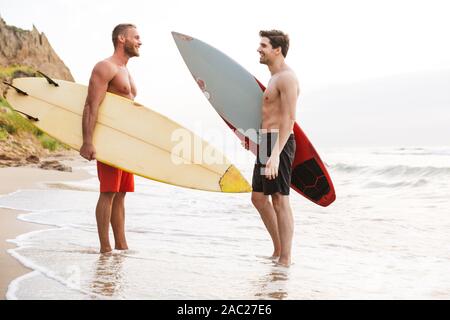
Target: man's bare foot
[121,245]
[106,250]
[283,263]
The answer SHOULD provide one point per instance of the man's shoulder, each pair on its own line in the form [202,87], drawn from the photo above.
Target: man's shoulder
[105,64]
[105,68]
[287,75]
[287,78]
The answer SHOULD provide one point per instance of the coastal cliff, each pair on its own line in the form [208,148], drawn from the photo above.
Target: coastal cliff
[22,54]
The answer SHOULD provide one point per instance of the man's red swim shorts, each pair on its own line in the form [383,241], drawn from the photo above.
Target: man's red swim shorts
[113,179]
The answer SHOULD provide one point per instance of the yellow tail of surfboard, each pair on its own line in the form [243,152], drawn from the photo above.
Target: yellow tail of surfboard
[128,135]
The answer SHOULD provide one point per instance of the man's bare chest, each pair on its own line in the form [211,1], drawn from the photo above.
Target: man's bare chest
[122,84]
[271,94]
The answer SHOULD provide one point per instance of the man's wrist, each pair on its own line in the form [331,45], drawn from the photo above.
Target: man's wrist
[276,153]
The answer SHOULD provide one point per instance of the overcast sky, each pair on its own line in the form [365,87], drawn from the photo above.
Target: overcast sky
[332,42]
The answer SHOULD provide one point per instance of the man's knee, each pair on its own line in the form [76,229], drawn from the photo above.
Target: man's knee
[259,200]
[112,196]
[280,202]
[120,196]
[107,196]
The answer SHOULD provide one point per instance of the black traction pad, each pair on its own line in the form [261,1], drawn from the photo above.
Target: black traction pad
[309,178]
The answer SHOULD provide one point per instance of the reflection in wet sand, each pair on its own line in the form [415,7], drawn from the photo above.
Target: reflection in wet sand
[108,275]
[273,285]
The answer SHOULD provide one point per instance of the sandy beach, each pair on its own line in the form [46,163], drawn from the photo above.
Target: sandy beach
[16,178]
[382,239]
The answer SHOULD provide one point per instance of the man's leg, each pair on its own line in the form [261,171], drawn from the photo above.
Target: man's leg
[118,221]
[269,217]
[285,220]
[103,215]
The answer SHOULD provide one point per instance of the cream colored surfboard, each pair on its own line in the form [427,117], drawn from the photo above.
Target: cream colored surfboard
[128,136]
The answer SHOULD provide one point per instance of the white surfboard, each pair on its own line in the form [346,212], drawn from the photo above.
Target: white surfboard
[128,136]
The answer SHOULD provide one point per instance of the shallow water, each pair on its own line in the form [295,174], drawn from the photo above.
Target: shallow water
[385,237]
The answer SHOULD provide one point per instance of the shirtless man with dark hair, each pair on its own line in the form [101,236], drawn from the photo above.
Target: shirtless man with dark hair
[111,75]
[273,177]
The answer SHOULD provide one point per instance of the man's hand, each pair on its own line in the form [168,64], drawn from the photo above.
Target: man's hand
[87,151]
[271,171]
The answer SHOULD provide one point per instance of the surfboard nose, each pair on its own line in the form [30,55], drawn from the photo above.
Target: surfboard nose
[233,181]
[179,36]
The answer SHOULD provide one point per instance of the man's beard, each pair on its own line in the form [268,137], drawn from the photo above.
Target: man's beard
[130,50]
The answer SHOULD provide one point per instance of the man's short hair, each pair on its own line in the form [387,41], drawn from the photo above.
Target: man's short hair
[277,39]
[120,29]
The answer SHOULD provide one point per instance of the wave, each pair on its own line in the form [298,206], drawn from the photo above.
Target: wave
[414,184]
[443,151]
[393,171]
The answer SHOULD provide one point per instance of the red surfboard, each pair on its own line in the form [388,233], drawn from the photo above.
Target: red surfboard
[236,95]
[310,177]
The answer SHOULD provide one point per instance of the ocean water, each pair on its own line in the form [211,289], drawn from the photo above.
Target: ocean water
[387,236]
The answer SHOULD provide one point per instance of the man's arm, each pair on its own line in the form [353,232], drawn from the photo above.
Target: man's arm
[288,100]
[102,74]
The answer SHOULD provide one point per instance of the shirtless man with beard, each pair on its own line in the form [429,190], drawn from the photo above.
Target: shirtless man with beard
[111,75]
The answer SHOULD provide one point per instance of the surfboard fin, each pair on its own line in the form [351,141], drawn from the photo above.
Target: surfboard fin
[49,80]
[27,115]
[15,88]
[24,94]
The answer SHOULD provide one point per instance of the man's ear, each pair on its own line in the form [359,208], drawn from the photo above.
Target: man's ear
[278,50]
[121,38]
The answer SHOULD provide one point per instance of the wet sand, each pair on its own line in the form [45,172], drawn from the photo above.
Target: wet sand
[11,180]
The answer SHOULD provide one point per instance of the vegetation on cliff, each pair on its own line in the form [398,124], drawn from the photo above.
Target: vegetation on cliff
[22,53]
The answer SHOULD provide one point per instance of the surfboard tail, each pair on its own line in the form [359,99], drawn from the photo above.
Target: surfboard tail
[233,181]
